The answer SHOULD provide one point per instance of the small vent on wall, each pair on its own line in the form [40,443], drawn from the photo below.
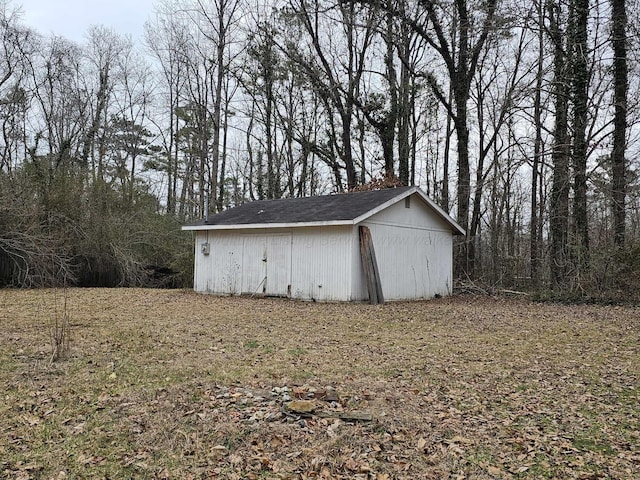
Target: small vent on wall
[407,202]
[204,248]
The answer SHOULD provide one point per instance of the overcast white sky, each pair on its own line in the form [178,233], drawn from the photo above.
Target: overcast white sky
[72,18]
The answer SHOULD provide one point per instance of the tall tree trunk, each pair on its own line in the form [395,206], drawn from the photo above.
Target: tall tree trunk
[461,79]
[270,134]
[412,125]
[171,205]
[464,179]
[207,194]
[217,106]
[223,162]
[446,204]
[559,214]
[537,152]
[580,83]
[620,81]
[388,131]
[404,106]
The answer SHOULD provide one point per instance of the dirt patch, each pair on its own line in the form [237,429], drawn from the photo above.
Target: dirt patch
[171,384]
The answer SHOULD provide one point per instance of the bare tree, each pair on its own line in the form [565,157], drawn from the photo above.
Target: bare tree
[559,215]
[167,38]
[461,61]
[333,59]
[536,163]
[216,21]
[101,53]
[18,45]
[620,85]
[260,79]
[580,87]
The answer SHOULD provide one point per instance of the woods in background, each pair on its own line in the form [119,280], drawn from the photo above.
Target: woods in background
[520,120]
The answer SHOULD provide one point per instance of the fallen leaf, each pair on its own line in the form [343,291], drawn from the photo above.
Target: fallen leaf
[495,471]
[351,464]
[459,439]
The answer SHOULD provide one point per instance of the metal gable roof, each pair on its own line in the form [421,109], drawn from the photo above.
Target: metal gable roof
[339,209]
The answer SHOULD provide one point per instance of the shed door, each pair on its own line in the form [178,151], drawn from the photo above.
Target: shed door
[266,264]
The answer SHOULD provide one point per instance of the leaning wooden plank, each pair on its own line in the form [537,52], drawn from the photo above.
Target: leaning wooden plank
[376,272]
[370,265]
[367,264]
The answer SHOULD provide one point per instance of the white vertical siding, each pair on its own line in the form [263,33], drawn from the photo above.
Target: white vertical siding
[358,282]
[220,271]
[277,261]
[413,263]
[252,266]
[321,263]
[266,263]
[307,263]
[413,250]
[418,215]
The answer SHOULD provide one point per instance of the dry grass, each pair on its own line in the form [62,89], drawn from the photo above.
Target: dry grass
[170,384]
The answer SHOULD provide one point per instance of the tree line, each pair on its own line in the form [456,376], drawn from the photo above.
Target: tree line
[520,120]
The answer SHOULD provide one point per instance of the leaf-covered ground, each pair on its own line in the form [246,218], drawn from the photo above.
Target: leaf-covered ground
[171,384]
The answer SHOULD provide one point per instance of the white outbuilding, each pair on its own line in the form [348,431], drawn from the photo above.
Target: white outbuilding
[392,244]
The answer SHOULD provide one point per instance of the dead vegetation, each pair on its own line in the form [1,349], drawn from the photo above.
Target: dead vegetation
[60,327]
[170,384]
